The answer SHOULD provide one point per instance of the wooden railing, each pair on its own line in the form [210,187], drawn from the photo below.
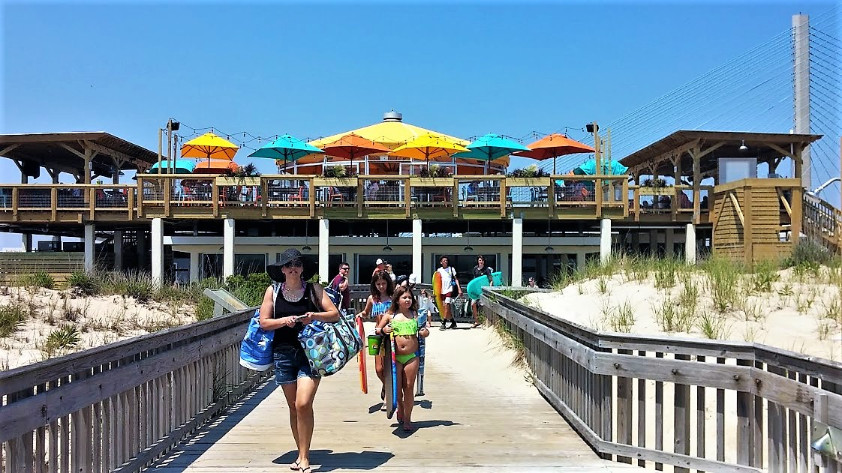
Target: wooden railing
[120,406]
[822,222]
[694,404]
[676,201]
[308,196]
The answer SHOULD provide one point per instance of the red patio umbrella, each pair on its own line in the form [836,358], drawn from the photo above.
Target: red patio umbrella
[552,146]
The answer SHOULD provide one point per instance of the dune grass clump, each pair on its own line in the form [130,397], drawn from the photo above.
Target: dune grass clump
[84,282]
[38,279]
[11,316]
[764,275]
[61,340]
[723,278]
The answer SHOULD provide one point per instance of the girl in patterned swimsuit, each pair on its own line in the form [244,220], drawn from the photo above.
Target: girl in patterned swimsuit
[377,304]
[401,319]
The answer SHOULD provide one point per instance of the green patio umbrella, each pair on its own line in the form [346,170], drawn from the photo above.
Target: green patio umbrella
[490,147]
[286,147]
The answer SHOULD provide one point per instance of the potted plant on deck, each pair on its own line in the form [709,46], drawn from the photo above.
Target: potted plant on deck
[529,176]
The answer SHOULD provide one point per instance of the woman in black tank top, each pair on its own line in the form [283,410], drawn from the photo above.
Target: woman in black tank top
[297,304]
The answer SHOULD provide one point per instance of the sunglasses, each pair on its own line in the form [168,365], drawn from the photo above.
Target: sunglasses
[346,268]
[294,264]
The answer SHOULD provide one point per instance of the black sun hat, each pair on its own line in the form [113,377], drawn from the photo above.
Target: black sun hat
[274,269]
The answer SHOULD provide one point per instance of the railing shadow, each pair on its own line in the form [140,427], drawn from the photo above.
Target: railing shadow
[215,430]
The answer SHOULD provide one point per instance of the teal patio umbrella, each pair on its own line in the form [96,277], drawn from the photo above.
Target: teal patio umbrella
[180,166]
[490,147]
[286,147]
[609,168]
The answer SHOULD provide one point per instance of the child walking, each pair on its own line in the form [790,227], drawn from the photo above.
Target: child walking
[382,290]
[401,319]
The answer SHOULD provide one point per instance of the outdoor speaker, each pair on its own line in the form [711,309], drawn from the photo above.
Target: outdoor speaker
[591,127]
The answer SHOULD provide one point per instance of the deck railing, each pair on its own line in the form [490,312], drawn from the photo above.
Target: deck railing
[120,406]
[193,196]
[693,404]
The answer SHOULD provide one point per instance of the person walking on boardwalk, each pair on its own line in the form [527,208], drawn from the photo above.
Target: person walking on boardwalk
[380,265]
[382,289]
[449,285]
[341,285]
[401,319]
[297,304]
[480,270]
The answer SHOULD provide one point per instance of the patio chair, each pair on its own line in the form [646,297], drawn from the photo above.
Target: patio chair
[334,195]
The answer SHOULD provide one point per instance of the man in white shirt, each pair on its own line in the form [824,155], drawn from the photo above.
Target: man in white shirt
[449,282]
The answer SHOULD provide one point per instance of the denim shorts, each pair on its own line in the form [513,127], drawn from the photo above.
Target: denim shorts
[291,364]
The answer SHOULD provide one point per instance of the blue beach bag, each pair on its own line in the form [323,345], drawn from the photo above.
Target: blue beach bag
[256,347]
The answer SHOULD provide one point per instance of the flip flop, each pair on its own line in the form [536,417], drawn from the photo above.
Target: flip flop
[294,466]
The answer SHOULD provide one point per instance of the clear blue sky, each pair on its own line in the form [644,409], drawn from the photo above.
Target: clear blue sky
[313,70]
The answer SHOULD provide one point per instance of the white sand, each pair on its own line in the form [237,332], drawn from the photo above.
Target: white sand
[99,320]
[802,314]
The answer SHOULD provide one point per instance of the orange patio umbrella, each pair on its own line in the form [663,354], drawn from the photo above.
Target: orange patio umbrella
[352,146]
[552,146]
[215,166]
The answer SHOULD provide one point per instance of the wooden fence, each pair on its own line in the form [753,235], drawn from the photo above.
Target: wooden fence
[692,404]
[120,406]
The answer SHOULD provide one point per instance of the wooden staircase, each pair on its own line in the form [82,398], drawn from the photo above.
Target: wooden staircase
[822,223]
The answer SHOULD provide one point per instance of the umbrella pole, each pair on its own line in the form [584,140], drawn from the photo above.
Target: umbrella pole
[554,158]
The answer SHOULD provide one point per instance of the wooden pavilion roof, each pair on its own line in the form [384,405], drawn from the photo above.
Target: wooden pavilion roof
[65,151]
[766,147]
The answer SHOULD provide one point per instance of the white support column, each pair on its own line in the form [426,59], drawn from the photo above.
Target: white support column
[194,266]
[417,250]
[157,250]
[517,252]
[324,249]
[690,244]
[90,247]
[228,232]
[801,86]
[118,250]
[605,240]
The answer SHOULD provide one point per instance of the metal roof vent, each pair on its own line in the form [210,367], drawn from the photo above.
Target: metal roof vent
[392,116]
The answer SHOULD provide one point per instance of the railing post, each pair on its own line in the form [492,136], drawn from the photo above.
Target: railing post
[312,200]
[407,197]
[797,215]
[598,197]
[15,202]
[140,186]
[454,197]
[92,202]
[167,196]
[551,197]
[53,204]
[215,198]
[503,200]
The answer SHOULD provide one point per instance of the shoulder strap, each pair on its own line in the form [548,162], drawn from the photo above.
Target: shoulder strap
[276,288]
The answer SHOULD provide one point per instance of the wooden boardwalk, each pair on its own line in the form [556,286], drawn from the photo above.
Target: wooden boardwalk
[479,413]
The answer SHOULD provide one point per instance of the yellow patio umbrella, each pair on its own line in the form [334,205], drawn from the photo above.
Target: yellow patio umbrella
[429,146]
[390,133]
[209,146]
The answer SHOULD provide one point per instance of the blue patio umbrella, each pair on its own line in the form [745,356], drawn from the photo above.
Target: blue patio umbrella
[490,147]
[181,166]
[609,168]
[286,147]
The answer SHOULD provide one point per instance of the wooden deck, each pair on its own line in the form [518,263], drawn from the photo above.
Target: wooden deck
[479,413]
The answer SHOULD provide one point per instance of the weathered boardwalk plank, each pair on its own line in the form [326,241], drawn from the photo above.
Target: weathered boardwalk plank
[479,414]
